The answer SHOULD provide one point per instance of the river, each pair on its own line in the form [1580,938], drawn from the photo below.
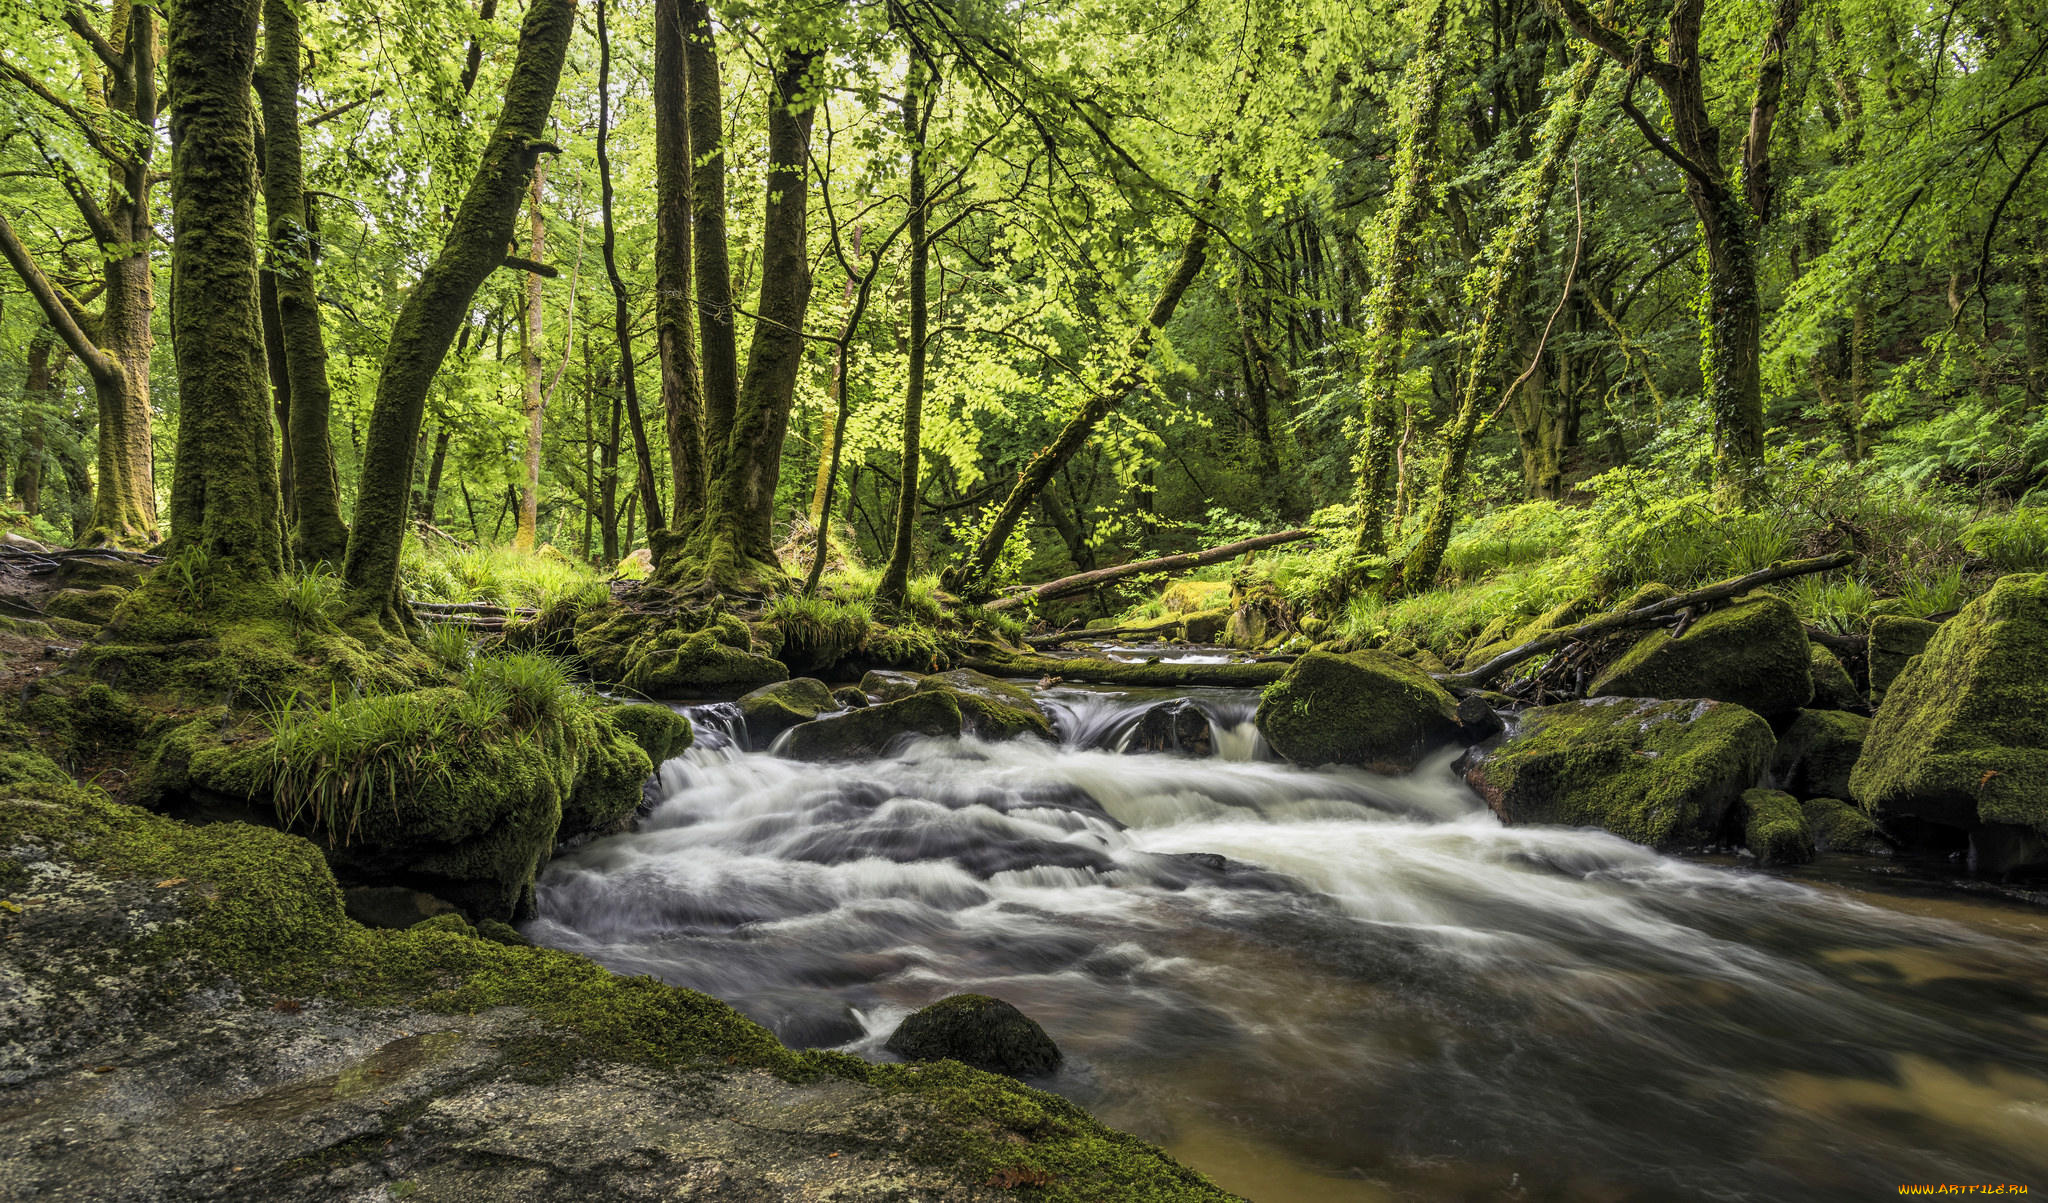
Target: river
[1330,985]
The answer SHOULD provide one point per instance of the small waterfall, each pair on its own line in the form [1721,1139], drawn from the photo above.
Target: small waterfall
[1198,722]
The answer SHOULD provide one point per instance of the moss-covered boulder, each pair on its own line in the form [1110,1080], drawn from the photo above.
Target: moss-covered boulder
[1662,773]
[976,1030]
[1833,689]
[1962,737]
[1364,708]
[1817,751]
[93,606]
[872,732]
[1840,827]
[1894,640]
[773,709]
[990,706]
[661,733]
[1774,828]
[1752,653]
[666,657]
[461,792]
[888,685]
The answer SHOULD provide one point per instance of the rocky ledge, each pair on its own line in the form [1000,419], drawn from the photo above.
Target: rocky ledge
[185,1013]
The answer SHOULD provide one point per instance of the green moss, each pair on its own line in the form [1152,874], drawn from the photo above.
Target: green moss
[1832,687]
[607,790]
[1774,828]
[92,606]
[1366,708]
[1840,827]
[661,733]
[260,908]
[773,709]
[1894,640]
[1817,751]
[1662,773]
[867,733]
[1752,653]
[28,765]
[1962,736]
[990,707]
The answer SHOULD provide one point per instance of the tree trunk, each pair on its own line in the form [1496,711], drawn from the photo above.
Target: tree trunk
[622,317]
[280,375]
[319,536]
[430,500]
[524,535]
[1394,288]
[895,582]
[38,399]
[224,499]
[608,488]
[734,544]
[682,402]
[970,577]
[1507,283]
[438,303]
[707,202]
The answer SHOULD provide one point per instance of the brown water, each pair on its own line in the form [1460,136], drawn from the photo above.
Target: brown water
[1386,995]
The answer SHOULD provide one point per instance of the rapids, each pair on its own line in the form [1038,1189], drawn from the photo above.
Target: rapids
[1329,985]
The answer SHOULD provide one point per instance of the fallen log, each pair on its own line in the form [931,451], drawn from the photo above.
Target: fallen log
[487,609]
[1643,616]
[1081,582]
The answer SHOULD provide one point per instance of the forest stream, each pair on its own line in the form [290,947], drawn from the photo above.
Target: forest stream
[1331,985]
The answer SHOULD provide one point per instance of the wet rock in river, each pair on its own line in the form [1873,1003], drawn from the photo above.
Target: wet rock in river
[1365,708]
[865,734]
[773,709]
[1774,828]
[1176,726]
[986,1033]
[1752,653]
[1662,773]
[888,685]
[1817,751]
[1839,827]
[990,706]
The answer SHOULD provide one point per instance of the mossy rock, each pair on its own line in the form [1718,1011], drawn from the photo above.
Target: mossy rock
[27,764]
[773,709]
[1894,640]
[1832,687]
[974,1029]
[1962,737]
[848,697]
[663,656]
[92,606]
[1774,828]
[1663,773]
[990,707]
[872,732]
[1366,708]
[232,937]
[701,664]
[661,733]
[1205,626]
[437,790]
[1752,653]
[889,685]
[1817,751]
[1840,827]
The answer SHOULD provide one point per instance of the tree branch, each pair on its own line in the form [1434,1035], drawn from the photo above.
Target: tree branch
[61,316]
[1081,582]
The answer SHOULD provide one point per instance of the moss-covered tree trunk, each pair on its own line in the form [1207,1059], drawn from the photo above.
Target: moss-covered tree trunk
[115,343]
[895,582]
[1396,255]
[734,543]
[224,496]
[439,302]
[314,497]
[532,404]
[715,324]
[971,575]
[682,401]
[38,398]
[1485,369]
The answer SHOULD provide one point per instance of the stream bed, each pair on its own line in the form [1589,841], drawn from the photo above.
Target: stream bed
[1330,985]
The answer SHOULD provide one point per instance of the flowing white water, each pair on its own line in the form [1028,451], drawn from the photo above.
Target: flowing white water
[1336,985]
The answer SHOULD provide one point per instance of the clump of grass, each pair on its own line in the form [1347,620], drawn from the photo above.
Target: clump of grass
[502,576]
[449,645]
[312,596]
[819,631]
[1938,592]
[2015,541]
[1511,538]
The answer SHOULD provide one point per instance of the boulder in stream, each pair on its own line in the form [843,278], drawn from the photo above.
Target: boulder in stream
[871,732]
[1366,708]
[661,733]
[776,707]
[1774,828]
[1175,726]
[1752,652]
[974,1029]
[1962,737]
[1662,773]
[990,706]
[1832,687]
[1817,751]
[889,685]
[1838,826]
